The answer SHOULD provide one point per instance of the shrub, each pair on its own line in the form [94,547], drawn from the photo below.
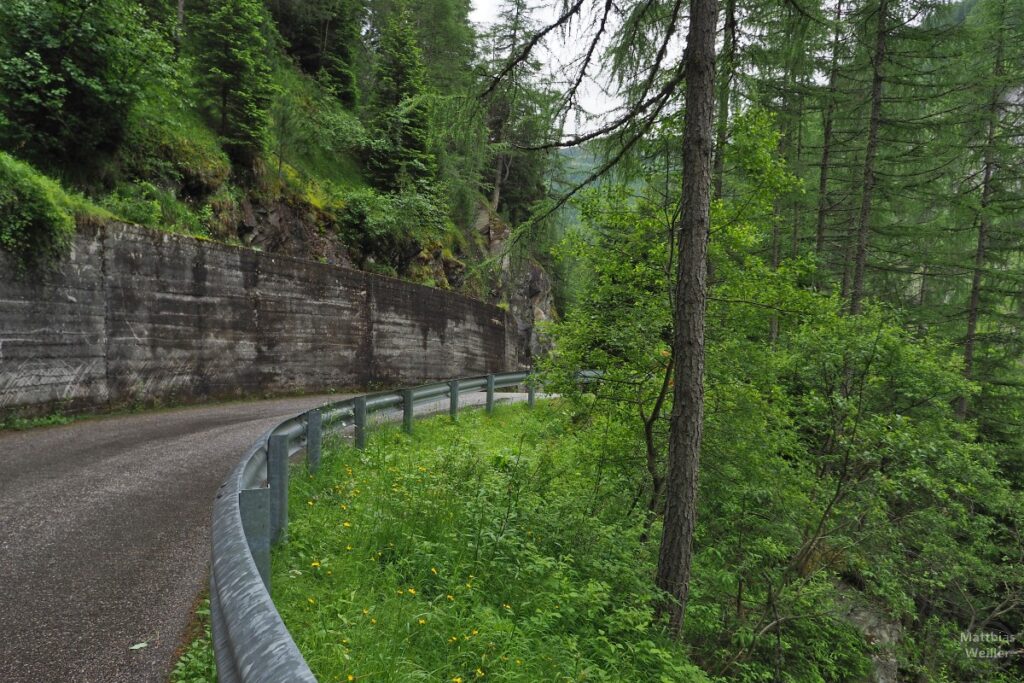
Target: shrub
[69,73]
[175,149]
[36,223]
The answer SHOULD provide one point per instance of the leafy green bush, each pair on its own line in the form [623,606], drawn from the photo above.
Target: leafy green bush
[146,204]
[36,223]
[69,72]
[162,144]
[391,226]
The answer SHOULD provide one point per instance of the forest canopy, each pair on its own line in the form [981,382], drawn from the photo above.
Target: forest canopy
[787,236]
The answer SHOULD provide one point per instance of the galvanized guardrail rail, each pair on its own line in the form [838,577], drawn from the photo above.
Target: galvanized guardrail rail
[250,641]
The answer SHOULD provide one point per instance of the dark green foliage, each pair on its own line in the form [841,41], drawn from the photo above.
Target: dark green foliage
[400,155]
[70,71]
[171,147]
[447,42]
[837,478]
[234,73]
[36,225]
[324,37]
[390,228]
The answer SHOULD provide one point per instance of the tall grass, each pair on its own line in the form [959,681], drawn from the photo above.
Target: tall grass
[469,551]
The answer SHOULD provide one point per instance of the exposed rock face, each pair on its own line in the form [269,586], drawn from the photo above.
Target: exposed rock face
[492,228]
[437,267]
[878,630]
[523,284]
[531,302]
[285,227]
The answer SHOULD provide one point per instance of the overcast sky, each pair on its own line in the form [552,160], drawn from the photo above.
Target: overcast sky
[554,53]
[484,11]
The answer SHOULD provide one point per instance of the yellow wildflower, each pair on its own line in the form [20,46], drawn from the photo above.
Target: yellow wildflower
[479,672]
[451,597]
[433,570]
[373,621]
[412,591]
[314,564]
[422,622]
[347,524]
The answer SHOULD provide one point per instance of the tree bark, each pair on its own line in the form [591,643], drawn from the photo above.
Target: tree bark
[984,222]
[722,121]
[826,145]
[687,420]
[499,178]
[870,152]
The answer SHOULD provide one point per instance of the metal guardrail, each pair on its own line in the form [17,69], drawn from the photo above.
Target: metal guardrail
[250,641]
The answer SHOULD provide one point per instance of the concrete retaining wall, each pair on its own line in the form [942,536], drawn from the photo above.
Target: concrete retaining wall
[137,316]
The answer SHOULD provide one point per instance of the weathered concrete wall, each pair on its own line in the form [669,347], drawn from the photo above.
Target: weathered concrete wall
[137,316]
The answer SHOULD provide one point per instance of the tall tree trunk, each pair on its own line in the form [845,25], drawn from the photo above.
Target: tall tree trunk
[826,145]
[722,121]
[870,152]
[984,222]
[687,420]
[499,178]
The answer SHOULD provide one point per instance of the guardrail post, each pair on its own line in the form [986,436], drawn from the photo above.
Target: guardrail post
[453,394]
[408,407]
[359,414]
[490,394]
[254,506]
[277,478]
[314,434]
[531,394]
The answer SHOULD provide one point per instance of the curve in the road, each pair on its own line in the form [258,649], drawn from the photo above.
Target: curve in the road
[104,537]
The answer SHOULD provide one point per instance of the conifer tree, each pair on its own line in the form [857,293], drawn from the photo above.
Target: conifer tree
[324,37]
[400,156]
[235,74]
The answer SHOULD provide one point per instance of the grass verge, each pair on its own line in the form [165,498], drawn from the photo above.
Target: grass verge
[195,660]
[478,550]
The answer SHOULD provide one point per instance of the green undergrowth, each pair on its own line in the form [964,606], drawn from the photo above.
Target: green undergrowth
[37,215]
[469,551]
[196,663]
[18,423]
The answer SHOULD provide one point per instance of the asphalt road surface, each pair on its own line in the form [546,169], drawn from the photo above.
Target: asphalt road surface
[105,537]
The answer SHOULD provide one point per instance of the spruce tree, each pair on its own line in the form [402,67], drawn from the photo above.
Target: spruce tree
[401,155]
[235,74]
[324,38]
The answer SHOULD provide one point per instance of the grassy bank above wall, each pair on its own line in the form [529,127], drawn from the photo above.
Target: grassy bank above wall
[474,550]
